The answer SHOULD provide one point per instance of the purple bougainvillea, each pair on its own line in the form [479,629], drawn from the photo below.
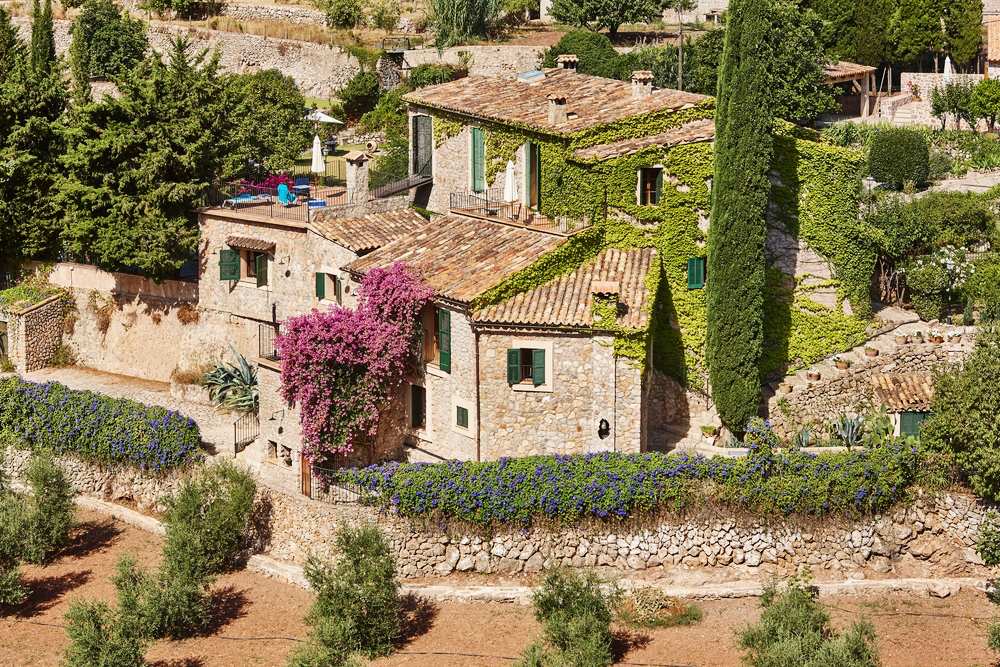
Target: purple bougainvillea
[341,366]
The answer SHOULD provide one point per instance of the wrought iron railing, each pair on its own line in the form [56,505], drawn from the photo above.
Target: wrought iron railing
[245,430]
[402,185]
[266,334]
[492,205]
[239,196]
[327,488]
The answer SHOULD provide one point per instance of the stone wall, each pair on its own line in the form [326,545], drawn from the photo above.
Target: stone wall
[283,13]
[918,111]
[505,61]
[34,333]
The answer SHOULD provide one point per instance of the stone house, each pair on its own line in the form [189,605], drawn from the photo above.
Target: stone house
[536,373]
[906,397]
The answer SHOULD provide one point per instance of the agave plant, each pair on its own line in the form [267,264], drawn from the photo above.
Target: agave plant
[849,429]
[804,438]
[233,385]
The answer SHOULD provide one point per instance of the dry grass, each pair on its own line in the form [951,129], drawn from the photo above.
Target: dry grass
[648,607]
[103,308]
[190,374]
[63,356]
[188,313]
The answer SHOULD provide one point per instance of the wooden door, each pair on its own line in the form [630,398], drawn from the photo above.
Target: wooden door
[306,468]
[534,176]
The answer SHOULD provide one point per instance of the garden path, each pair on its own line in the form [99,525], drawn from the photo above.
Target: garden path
[216,427]
[974,181]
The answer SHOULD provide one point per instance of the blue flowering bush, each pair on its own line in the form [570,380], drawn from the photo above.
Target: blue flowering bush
[96,427]
[616,485]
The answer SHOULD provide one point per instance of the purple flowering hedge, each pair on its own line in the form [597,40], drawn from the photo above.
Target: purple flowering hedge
[615,485]
[96,427]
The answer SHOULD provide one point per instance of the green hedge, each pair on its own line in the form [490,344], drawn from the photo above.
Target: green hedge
[97,427]
[898,156]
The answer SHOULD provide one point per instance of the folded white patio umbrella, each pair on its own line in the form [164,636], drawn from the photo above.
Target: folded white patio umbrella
[510,183]
[949,70]
[318,116]
[318,163]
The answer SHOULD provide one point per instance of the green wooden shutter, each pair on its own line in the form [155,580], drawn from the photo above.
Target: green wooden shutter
[538,367]
[338,289]
[444,339]
[513,366]
[909,422]
[320,285]
[261,270]
[696,272]
[478,160]
[462,417]
[229,264]
[659,187]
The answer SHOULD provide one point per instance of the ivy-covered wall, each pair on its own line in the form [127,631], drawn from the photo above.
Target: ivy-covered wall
[816,194]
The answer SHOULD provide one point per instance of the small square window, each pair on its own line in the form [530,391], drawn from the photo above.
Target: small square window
[286,456]
[418,406]
[272,449]
[462,417]
[650,185]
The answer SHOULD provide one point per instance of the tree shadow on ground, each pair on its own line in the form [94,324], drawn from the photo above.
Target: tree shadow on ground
[418,617]
[624,641]
[91,536]
[178,662]
[227,605]
[45,592]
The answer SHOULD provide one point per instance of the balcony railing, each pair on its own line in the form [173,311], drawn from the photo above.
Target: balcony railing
[245,430]
[264,202]
[266,333]
[492,205]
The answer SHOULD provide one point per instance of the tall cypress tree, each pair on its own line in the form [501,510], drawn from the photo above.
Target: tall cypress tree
[43,41]
[740,190]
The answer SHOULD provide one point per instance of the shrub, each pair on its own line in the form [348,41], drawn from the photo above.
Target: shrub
[984,101]
[233,385]
[927,281]
[430,74]
[360,95]
[208,519]
[983,288]
[48,513]
[993,635]
[575,615]
[795,630]
[177,602]
[384,14]
[343,13]
[12,590]
[104,637]
[96,427]
[459,21]
[357,608]
[964,423]
[898,156]
[596,53]
[617,485]
[648,607]
[988,540]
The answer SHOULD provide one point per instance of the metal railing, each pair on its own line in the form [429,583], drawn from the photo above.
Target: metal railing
[335,174]
[325,487]
[422,177]
[266,333]
[245,430]
[492,205]
[239,196]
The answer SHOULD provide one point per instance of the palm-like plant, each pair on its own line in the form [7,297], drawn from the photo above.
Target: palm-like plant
[233,385]
[849,429]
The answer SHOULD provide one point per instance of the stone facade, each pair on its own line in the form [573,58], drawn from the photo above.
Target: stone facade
[585,384]
[34,333]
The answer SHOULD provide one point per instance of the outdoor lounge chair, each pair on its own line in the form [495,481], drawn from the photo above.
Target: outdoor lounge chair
[246,199]
[285,196]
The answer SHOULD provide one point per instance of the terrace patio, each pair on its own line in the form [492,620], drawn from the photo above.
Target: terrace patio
[263,204]
[490,205]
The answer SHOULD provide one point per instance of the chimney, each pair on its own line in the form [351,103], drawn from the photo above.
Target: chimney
[557,109]
[567,61]
[357,175]
[642,83]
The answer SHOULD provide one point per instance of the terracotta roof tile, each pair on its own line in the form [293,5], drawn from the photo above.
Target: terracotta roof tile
[845,71]
[696,130]
[249,243]
[568,300]
[368,232]
[459,257]
[590,100]
[902,392]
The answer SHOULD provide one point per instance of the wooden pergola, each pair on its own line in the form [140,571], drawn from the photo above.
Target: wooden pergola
[861,78]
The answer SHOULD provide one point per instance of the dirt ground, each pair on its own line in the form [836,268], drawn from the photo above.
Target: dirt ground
[258,621]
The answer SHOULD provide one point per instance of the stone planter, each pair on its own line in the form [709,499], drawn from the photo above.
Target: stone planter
[954,338]
[710,431]
[813,376]
[871,352]
[937,340]
[843,364]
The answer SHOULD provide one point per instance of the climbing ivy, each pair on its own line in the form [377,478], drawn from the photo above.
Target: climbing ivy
[445,129]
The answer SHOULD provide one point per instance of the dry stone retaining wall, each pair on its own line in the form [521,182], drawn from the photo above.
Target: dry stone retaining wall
[34,333]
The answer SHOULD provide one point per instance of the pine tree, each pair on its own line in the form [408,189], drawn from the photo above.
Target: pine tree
[736,263]
[43,43]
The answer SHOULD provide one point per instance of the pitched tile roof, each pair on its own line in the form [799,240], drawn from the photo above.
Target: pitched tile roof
[249,243]
[843,70]
[368,232]
[590,100]
[903,392]
[696,130]
[568,300]
[459,257]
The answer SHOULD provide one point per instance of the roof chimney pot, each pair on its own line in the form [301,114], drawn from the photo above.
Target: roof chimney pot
[642,83]
[567,61]
[557,109]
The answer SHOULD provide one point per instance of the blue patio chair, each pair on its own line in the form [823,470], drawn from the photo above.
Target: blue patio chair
[285,197]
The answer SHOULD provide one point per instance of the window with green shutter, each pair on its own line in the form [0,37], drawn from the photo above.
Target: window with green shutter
[418,406]
[462,417]
[328,282]
[513,366]
[229,264]
[696,273]
[650,185]
[478,160]
[338,288]
[321,286]
[538,367]
[444,339]
[526,364]
[909,422]
[260,264]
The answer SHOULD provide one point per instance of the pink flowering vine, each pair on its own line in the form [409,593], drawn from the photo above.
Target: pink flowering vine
[341,366]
